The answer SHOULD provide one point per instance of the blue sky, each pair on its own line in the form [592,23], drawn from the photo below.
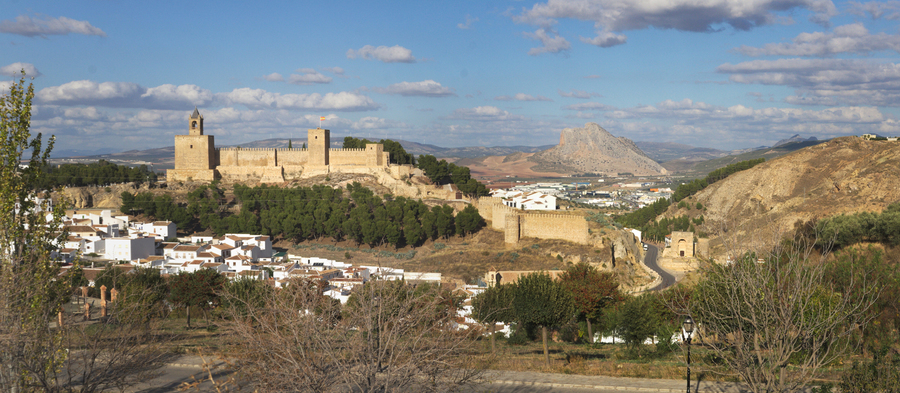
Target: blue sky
[713,73]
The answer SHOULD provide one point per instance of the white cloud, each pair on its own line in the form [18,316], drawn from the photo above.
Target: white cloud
[86,92]
[15,70]
[274,77]
[5,86]
[125,95]
[589,106]
[522,97]
[393,54]
[178,96]
[426,88]
[468,24]
[484,113]
[375,123]
[308,76]
[824,81]
[606,39]
[335,70]
[609,16]
[853,38]
[131,95]
[549,43]
[685,15]
[259,99]
[575,93]
[26,26]
[890,10]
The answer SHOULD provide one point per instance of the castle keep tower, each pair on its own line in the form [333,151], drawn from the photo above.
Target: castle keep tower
[195,153]
[319,145]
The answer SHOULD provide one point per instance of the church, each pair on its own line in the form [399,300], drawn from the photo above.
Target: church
[198,159]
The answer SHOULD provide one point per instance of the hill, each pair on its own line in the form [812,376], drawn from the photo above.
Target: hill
[592,149]
[669,151]
[769,153]
[842,175]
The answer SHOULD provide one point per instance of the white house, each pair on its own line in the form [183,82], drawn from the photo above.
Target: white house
[128,249]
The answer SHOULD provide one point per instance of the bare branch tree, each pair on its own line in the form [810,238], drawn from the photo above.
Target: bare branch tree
[390,337]
[773,318]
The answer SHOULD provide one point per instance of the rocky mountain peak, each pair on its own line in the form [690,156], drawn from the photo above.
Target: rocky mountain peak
[592,149]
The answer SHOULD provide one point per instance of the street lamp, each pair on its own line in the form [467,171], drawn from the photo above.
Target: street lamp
[687,330]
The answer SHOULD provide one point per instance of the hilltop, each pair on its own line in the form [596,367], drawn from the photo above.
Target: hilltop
[592,149]
[842,175]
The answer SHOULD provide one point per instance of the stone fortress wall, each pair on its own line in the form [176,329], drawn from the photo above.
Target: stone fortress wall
[197,159]
[517,224]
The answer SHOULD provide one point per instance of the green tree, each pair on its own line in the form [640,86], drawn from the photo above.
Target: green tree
[539,300]
[638,321]
[468,221]
[196,289]
[494,305]
[592,291]
[32,293]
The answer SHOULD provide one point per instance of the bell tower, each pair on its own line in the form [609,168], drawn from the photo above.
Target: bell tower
[196,123]
[196,156]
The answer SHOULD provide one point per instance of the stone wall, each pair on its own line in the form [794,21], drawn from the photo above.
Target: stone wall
[554,226]
[240,156]
[293,157]
[517,224]
[355,157]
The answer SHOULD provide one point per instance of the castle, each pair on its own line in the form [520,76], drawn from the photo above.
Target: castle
[198,159]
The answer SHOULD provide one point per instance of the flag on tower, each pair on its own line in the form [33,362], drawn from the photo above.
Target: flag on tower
[321,118]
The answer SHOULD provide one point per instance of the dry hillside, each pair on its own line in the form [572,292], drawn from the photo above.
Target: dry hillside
[844,175]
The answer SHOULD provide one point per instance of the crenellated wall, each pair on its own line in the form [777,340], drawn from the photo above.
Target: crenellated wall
[516,224]
[554,226]
[242,156]
[293,157]
[340,157]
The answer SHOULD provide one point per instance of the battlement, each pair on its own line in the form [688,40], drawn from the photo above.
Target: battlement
[516,224]
[348,150]
[247,149]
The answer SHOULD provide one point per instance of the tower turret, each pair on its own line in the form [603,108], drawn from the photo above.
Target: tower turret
[196,123]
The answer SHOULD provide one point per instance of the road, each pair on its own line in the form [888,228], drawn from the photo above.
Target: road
[189,370]
[650,259]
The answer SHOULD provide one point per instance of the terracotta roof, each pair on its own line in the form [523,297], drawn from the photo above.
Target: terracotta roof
[161,223]
[206,255]
[184,247]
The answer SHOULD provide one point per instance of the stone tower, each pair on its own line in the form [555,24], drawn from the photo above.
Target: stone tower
[319,144]
[196,157]
[196,123]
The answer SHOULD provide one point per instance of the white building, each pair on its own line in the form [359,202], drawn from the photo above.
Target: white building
[128,249]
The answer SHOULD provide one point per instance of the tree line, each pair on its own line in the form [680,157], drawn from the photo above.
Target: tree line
[307,213]
[442,172]
[101,173]
[685,190]
[398,153]
[848,229]
[581,299]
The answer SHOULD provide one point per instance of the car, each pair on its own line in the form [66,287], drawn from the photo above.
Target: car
[645,246]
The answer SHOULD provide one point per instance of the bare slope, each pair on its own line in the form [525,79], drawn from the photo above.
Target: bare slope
[843,175]
[592,149]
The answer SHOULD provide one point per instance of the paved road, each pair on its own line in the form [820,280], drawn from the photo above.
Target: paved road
[188,369]
[650,259]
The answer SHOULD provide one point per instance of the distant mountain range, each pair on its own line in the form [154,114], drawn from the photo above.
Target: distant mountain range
[674,157]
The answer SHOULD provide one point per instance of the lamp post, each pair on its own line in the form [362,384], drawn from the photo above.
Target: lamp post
[687,331]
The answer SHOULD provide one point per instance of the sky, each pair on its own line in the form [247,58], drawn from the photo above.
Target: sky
[723,74]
